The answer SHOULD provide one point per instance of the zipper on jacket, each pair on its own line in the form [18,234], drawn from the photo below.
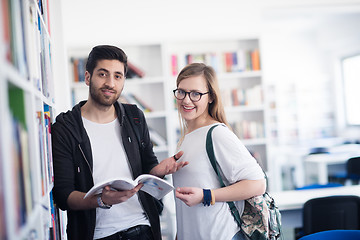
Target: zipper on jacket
[85,160]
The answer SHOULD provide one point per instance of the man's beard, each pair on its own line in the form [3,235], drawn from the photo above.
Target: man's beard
[98,97]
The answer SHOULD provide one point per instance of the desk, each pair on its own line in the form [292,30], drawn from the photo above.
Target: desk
[336,156]
[290,203]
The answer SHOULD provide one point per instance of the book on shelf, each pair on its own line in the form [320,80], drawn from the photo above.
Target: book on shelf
[255,60]
[19,58]
[6,29]
[43,165]
[49,159]
[241,60]
[153,185]
[78,66]
[3,232]
[19,186]
[174,65]
[32,36]
[156,138]
[134,71]
[226,62]
[248,129]
[252,96]
[134,99]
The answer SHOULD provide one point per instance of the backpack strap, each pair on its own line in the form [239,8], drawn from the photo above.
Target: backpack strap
[211,155]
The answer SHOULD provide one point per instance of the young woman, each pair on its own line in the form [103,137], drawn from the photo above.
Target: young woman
[200,107]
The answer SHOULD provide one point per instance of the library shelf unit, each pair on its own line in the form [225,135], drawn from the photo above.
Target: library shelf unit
[27,105]
[238,67]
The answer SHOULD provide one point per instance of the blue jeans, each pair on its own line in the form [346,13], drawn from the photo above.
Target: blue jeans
[239,236]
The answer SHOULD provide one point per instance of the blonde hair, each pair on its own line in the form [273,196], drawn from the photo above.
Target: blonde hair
[216,108]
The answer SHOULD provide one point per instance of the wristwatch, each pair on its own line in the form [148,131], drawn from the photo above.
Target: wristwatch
[101,204]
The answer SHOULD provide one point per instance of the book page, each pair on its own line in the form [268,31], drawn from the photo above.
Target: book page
[116,184]
[154,186]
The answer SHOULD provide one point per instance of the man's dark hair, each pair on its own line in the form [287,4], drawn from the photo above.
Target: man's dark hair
[108,52]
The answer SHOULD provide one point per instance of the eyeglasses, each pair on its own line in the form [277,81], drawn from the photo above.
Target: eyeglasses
[193,95]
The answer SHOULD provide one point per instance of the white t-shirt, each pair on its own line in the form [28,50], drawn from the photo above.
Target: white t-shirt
[109,161]
[236,163]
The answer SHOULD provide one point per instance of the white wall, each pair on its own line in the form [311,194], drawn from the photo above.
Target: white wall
[88,22]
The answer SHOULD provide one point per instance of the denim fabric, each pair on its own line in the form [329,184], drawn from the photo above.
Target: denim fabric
[239,236]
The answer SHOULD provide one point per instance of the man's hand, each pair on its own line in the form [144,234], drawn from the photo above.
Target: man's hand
[191,196]
[169,165]
[111,197]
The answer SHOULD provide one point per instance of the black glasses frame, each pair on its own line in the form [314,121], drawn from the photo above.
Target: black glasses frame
[201,94]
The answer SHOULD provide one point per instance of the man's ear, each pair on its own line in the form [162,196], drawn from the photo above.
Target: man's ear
[87,78]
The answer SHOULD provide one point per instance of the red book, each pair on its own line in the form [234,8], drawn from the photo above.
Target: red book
[228,62]
[6,27]
[140,73]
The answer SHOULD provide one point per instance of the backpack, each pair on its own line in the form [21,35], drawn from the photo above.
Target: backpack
[132,113]
[261,219]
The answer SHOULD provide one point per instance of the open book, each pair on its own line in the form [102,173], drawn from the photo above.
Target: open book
[153,185]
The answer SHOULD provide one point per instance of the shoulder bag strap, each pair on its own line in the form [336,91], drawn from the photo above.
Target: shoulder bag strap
[211,155]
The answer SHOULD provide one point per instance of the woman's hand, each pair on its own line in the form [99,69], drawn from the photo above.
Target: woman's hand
[191,196]
[169,165]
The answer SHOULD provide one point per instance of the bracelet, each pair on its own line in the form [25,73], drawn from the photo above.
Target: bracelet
[101,204]
[212,197]
[207,197]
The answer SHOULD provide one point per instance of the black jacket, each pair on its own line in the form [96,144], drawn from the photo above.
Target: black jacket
[73,166]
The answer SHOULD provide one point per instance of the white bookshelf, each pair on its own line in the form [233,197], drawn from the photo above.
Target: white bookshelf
[246,116]
[27,105]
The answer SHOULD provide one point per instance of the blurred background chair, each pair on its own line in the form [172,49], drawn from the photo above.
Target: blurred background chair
[334,235]
[331,213]
[353,170]
[352,174]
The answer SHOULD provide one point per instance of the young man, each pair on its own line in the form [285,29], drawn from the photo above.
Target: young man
[94,142]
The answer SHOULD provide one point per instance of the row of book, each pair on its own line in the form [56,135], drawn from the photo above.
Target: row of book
[23,164]
[128,97]
[226,62]
[46,162]
[248,129]
[26,41]
[3,231]
[79,67]
[23,178]
[242,97]
[55,226]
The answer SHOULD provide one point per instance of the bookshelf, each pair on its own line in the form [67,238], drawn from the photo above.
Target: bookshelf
[27,105]
[237,63]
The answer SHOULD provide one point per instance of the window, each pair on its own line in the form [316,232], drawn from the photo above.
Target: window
[351,77]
